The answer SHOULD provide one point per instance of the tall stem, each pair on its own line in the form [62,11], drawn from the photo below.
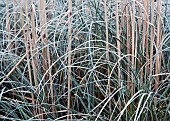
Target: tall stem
[157,69]
[146,37]
[69,56]
[14,12]
[152,37]
[8,25]
[107,49]
[133,44]
[118,38]
[128,44]
[42,15]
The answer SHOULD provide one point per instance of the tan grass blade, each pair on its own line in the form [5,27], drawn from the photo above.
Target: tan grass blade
[152,36]
[45,52]
[14,12]
[48,51]
[133,44]
[158,62]
[118,37]
[34,44]
[43,36]
[69,57]
[8,24]
[139,31]
[139,17]
[146,37]
[29,41]
[32,47]
[128,43]
[26,41]
[49,64]
[107,49]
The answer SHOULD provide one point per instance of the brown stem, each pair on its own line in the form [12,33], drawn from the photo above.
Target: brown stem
[8,25]
[69,57]
[107,50]
[158,62]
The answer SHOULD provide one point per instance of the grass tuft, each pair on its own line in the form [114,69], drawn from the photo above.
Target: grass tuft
[85,59]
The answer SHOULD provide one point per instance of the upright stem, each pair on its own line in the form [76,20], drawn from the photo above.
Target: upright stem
[128,44]
[118,45]
[13,1]
[107,49]
[133,44]
[14,12]
[69,56]
[152,36]
[49,64]
[146,37]
[139,18]
[157,69]
[46,62]
[31,48]
[34,44]
[118,38]
[43,36]
[8,25]
[139,31]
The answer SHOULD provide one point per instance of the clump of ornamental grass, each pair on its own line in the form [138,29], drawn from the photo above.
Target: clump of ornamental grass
[84,59]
